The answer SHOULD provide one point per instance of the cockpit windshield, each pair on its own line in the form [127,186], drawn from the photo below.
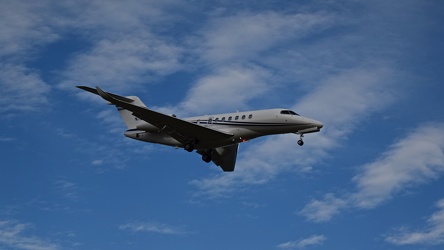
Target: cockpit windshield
[288,112]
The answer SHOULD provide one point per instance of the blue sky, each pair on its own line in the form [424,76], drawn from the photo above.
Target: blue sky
[371,71]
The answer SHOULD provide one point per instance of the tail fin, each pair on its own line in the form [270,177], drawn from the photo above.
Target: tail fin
[127,116]
[130,120]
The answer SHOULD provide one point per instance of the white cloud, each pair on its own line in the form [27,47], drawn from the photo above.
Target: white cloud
[416,159]
[228,89]
[246,35]
[433,234]
[6,139]
[97,162]
[125,48]
[321,211]
[409,162]
[151,227]
[24,25]
[12,235]
[22,89]
[96,18]
[314,240]
[67,189]
[121,47]
[121,62]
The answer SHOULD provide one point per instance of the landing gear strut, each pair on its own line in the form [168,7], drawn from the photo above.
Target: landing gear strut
[300,141]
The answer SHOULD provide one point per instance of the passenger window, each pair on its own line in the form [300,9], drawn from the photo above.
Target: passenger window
[210,120]
[217,119]
[243,117]
[250,116]
[223,119]
[236,118]
[229,118]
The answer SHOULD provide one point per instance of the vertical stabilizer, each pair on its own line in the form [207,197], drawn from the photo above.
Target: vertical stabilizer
[130,120]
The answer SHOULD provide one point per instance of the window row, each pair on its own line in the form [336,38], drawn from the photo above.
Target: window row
[243,117]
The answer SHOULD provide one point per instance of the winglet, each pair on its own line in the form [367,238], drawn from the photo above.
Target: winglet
[104,95]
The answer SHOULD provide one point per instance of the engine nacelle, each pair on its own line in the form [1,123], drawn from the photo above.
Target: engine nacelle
[148,127]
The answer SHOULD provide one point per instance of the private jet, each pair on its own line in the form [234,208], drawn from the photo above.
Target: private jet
[215,137]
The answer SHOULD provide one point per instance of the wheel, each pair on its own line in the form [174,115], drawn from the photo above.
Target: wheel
[206,158]
[189,147]
[301,142]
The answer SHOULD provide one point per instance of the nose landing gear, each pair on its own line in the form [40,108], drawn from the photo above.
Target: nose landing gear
[300,141]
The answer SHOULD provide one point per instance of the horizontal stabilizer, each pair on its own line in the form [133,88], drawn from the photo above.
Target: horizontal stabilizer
[94,91]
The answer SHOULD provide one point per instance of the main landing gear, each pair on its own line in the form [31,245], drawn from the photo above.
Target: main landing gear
[189,146]
[300,141]
[207,156]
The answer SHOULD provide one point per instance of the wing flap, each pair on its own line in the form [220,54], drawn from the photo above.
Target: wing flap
[179,129]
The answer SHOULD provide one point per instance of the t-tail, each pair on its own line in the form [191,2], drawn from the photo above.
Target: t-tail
[130,120]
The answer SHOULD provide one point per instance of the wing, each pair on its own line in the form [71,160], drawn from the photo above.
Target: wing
[179,129]
[225,157]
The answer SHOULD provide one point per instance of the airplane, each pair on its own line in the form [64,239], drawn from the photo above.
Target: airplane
[215,137]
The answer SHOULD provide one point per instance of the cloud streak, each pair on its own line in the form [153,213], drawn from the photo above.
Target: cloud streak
[22,89]
[247,36]
[12,235]
[151,227]
[314,240]
[411,161]
[433,234]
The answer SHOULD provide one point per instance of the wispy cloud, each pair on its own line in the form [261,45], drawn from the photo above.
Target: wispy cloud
[416,159]
[98,151]
[25,25]
[314,240]
[22,89]
[122,62]
[12,235]
[432,234]
[67,189]
[236,84]
[323,210]
[247,36]
[413,160]
[6,139]
[126,49]
[121,49]
[151,227]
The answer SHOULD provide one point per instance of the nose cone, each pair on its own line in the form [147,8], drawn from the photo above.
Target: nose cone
[316,123]
[319,124]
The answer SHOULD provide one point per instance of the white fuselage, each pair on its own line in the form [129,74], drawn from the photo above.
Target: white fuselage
[242,125]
